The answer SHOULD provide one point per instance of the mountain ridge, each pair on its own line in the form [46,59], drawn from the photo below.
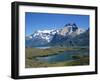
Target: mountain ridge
[64,36]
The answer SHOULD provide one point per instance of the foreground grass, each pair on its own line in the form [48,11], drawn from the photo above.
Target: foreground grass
[34,52]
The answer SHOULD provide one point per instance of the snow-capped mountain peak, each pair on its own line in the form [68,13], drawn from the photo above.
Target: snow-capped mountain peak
[44,31]
[43,34]
[71,29]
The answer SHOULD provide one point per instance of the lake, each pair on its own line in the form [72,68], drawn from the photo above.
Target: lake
[62,56]
[45,47]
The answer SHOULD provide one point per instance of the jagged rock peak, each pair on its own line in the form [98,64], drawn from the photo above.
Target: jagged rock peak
[71,24]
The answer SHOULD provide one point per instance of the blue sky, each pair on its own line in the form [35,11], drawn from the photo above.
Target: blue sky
[45,21]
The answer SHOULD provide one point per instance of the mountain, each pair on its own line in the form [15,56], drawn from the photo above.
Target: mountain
[66,36]
[82,39]
[69,35]
[71,30]
[40,37]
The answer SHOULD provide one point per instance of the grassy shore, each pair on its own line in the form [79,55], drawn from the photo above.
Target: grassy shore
[31,53]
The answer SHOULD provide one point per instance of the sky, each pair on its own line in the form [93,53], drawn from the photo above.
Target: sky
[45,21]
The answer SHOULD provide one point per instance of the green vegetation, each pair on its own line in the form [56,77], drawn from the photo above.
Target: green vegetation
[32,53]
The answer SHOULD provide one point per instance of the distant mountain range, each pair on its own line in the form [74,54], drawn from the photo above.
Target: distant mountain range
[69,35]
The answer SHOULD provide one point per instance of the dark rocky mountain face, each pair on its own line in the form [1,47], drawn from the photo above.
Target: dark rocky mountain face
[35,42]
[82,39]
[78,40]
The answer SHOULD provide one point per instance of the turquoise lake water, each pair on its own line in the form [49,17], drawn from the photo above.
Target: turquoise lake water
[63,56]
